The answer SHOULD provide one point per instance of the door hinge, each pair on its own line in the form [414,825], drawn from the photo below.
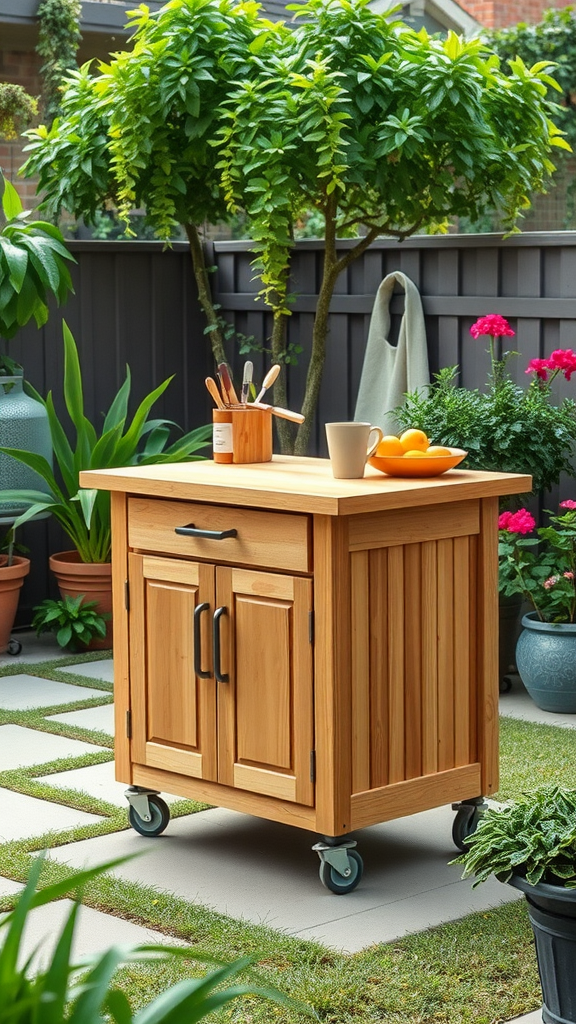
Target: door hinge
[129,725]
[311,627]
[127,595]
[312,766]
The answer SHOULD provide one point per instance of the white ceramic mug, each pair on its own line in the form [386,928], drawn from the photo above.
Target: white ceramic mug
[349,445]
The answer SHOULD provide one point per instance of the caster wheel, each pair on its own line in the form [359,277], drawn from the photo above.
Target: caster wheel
[336,882]
[158,822]
[465,824]
[505,684]
[14,647]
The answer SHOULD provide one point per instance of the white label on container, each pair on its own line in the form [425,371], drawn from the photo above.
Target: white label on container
[222,437]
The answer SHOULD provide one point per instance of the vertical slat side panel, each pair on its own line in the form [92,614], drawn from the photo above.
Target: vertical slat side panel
[429,610]
[445,601]
[461,652]
[487,619]
[395,627]
[413,660]
[360,618]
[379,667]
[473,648]
[122,701]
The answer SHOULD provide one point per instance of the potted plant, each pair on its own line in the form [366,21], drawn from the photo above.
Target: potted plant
[505,428]
[530,843]
[542,569]
[85,514]
[74,621]
[33,266]
[13,569]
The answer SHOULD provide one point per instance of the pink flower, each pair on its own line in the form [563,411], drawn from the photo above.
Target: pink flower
[503,520]
[563,359]
[540,367]
[549,583]
[568,503]
[494,325]
[521,522]
[568,575]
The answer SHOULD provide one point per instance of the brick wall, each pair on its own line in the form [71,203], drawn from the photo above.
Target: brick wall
[499,13]
[22,68]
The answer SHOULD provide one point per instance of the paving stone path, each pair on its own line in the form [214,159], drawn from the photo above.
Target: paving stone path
[251,869]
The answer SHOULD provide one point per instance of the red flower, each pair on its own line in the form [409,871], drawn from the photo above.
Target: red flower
[517,522]
[563,359]
[568,503]
[540,367]
[494,325]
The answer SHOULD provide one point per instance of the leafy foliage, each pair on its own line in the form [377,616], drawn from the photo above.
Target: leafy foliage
[373,127]
[85,514]
[58,41]
[507,429]
[17,110]
[33,264]
[74,621]
[534,836]
[84,992]
[541,568]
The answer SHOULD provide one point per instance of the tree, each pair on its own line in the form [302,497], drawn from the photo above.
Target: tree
[380,129]
[58,41]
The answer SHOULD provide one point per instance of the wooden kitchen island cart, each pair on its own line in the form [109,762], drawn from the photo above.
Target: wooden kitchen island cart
[318,652]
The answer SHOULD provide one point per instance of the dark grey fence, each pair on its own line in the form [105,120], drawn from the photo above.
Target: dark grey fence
[136,303]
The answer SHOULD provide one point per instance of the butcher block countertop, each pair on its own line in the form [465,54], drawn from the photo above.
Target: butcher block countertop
[296,484]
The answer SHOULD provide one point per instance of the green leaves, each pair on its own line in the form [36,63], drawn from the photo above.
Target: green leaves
[83,513]
[33,265]
[73,620]
[534,837]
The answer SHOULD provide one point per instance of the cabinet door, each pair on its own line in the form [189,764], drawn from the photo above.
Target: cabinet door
[265,719]
[173,709]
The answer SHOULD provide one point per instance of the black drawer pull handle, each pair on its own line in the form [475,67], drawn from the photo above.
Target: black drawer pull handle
[193,531]
[198,670]
[216,642]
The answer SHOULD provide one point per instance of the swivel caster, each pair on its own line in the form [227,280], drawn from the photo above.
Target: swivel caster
[468,815]
[148,813]
[341,866]
[14,646]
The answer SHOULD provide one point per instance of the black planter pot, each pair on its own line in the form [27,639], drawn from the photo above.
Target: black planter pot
[552,912]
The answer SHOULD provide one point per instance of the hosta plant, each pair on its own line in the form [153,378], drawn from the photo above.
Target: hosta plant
[533,837]
[83,991]
[33,266]
[74,621]
[85,513]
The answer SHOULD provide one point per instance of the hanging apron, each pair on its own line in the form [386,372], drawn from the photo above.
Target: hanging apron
[390,371]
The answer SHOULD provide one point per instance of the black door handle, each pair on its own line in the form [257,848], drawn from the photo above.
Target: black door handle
[216,644]
[194,531]
[198,641]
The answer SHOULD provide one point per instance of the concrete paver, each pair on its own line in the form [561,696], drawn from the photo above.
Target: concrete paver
[23,692]
[93,670]
[20,747]
[97,780]
[24,816]
[101,717]
[8,887]
[264,872]
[34,648]
[519,704]
[94,933]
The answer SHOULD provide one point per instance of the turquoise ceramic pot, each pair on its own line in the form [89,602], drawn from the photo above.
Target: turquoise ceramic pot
[546,661]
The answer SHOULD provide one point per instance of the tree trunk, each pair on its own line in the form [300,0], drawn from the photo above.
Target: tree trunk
[284,429]
[205,293]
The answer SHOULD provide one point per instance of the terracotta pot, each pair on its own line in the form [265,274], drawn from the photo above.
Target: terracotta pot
[11,580]
[93,580]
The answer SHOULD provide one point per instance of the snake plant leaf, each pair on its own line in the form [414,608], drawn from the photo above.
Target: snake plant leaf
[61,447]
[129,444]
[86,497]
[118,410]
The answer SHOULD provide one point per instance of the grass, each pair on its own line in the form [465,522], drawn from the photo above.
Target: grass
[478,970]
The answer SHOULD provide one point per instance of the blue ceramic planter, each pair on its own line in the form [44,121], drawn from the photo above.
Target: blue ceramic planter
[546,661]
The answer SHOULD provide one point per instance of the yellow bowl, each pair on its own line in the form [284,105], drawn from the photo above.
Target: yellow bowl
[428,465]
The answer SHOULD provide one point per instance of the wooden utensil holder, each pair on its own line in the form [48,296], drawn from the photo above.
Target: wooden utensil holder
[251,434]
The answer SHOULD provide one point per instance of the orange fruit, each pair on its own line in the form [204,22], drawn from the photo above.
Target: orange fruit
[414,440]
[389,445]
[438,449]
[414,453]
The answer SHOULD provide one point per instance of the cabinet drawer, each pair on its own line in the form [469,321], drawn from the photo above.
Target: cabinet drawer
[270,539]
